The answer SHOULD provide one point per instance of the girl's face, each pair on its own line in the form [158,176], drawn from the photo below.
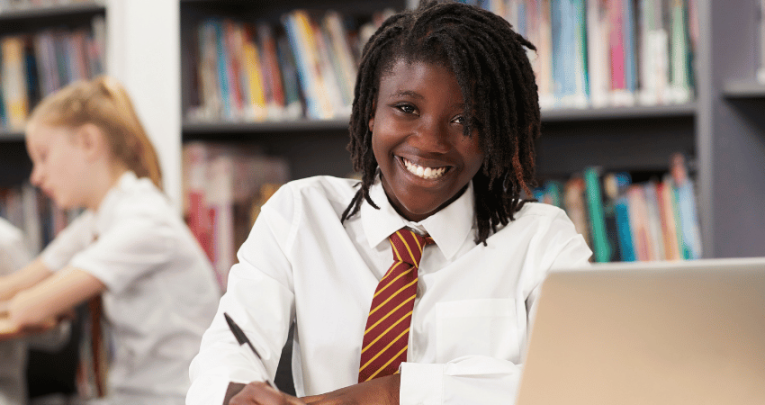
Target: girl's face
[417,138]
[59,164]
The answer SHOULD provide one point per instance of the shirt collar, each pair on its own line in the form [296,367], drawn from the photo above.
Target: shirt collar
[448,227]
[126,181]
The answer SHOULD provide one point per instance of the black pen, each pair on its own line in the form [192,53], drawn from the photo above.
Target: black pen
[242,339]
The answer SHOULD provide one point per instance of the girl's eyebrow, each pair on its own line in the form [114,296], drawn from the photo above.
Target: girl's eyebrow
[418,96]
[407,93]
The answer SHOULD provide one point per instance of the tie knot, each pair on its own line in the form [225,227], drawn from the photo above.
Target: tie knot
[408,246]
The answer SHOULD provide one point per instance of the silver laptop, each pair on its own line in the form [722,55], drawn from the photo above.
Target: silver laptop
[649,333]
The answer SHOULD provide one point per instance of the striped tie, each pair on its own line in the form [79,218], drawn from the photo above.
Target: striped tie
[386,336]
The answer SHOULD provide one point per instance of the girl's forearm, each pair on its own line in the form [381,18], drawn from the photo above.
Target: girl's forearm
[53,297]
[27,277]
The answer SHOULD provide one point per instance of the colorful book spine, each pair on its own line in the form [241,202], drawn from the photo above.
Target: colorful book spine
[14,83]
[255,81]
[622,216]
[601,247]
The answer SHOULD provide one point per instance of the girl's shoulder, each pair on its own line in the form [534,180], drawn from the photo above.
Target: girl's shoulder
[139,197]
[540,217]
[318,188]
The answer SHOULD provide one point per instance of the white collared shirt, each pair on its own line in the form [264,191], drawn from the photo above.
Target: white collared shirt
[300,264]
[161,291]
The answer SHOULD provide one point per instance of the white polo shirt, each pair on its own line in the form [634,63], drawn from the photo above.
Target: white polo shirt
[161,292]
[301,264]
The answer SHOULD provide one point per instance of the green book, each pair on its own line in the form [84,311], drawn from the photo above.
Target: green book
[601,247]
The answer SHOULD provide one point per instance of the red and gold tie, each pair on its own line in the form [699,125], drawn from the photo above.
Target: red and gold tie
[386,336]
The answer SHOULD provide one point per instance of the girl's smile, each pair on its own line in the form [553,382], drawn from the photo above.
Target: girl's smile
[418,138]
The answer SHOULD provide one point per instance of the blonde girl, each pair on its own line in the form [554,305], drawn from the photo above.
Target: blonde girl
[89,150]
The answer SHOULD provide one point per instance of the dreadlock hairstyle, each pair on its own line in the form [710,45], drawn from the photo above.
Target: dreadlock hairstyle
[497,83]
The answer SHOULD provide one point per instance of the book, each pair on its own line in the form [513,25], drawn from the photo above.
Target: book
[686,205]
[211,102]
[220,183]
[667,209]
[256,108]
[14,82]
[293,98]
[598,63]
[601,246]
[761,40]
[639,223]
[575,206]
[653,221]
[271,71]
[622,218]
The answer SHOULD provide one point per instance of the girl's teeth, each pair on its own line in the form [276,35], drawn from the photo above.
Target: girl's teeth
[425,173]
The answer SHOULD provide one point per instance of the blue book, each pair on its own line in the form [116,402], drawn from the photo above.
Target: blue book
[303,68]
[630,49]
[222,67]
[622,216]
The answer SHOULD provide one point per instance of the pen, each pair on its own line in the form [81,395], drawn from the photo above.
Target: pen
[242,339]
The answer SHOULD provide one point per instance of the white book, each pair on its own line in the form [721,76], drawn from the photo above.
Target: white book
[598,55]
[761,70]
[220,197]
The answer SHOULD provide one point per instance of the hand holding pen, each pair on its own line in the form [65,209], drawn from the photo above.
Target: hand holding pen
[242,339]
[254,392]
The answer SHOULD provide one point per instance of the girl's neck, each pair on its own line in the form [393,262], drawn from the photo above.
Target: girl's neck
[103,181]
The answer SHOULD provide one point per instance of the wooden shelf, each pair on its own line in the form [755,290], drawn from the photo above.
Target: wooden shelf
[557,116]
[12,136]
[744,90]
[619,113]
[33,13]
[266,127]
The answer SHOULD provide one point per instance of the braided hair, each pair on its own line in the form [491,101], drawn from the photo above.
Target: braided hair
[497,83]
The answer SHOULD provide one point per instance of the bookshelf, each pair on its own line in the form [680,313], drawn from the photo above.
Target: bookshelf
[721,130]
[15,165]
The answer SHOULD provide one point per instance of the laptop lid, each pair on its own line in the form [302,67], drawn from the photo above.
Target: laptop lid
[649,333]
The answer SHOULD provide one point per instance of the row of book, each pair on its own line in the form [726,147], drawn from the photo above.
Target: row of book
[590,53]
[14,5]
[224,186]
[761,36]
[596,53]
[38,218]
[626,221]
[304,67]
[35,65]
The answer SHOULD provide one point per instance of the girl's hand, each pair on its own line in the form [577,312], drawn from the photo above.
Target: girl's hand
[380,391]
[260,393]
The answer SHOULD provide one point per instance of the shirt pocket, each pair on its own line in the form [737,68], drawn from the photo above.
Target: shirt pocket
[485,327]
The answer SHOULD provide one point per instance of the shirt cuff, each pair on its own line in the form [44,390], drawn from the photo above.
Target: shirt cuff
[421,384]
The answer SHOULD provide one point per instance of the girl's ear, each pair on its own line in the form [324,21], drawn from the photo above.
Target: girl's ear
[91,139]
[371,122]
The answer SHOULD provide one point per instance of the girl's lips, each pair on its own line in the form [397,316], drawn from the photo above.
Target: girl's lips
[424,171]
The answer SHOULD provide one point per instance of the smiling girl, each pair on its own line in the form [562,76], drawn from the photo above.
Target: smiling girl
[89,150]
[442,131]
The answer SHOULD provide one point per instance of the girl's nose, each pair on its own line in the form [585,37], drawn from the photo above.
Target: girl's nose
[36,175]
[433,136]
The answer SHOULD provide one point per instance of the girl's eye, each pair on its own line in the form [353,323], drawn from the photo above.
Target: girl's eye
[459,120]
[409,109]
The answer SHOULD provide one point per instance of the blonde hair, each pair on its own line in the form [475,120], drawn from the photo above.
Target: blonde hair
[105,103]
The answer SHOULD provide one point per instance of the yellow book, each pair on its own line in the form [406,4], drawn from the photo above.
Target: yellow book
[254,77]
[14,83]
